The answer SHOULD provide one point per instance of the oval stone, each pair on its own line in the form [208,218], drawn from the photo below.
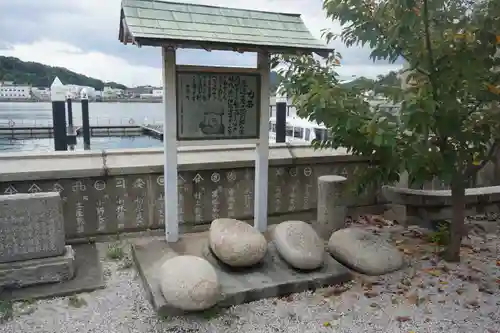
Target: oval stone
[189,283]
[299,245]
[236,243]
[364,252]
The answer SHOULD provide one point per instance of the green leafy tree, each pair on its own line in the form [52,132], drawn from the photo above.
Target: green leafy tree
[448,124]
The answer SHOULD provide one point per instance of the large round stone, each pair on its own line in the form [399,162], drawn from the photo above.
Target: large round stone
[299,245]
[237,243]
[364,252]
[189,283]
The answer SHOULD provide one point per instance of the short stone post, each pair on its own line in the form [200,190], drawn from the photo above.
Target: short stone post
[332,208]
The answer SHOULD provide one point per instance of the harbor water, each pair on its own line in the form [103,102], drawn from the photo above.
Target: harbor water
[20,114]
[101,114]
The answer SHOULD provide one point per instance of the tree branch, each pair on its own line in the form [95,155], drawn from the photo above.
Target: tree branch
[472,169]
[428,45]
[398,48]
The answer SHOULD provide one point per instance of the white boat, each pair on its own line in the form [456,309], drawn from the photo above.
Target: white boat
[298,130]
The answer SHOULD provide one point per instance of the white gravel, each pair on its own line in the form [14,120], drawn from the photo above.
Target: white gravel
[447,303]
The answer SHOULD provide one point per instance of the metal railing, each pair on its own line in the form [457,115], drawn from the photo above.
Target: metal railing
[98,121]
[94,121]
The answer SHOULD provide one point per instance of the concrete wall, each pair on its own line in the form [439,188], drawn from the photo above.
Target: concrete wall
[119,191]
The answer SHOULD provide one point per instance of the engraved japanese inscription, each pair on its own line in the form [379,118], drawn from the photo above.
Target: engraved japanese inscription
[217,106]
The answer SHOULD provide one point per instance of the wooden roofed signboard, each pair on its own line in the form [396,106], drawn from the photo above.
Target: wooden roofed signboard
[208,105]
[212,105]
[153,22]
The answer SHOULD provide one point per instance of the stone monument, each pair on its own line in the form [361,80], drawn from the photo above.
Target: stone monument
[32,240]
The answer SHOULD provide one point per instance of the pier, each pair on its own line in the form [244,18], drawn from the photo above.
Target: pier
[41,132]
[154,131]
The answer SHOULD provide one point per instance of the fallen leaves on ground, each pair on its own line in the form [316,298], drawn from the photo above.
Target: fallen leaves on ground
[337,290]
[371,294]
[376,220]
[415,299]
[432,271]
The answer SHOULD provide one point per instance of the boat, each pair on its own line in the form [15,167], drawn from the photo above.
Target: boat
[298,130]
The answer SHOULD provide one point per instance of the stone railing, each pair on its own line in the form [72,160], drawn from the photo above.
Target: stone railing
[122,190]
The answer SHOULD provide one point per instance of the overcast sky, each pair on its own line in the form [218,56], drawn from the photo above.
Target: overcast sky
[82,35]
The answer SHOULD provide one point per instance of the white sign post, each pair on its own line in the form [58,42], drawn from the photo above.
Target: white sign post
[262,148]
[215,106]
[170,145]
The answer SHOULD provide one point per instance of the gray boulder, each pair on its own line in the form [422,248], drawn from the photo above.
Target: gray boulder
[364,252]
[237,243]
[189,283]
[299,245]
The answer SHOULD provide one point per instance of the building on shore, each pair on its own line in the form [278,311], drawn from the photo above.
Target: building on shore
[11,91]
[40,93]
[155,94]
[136,92]
[112,93]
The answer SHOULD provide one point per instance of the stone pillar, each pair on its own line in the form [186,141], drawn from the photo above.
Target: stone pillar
[332,208]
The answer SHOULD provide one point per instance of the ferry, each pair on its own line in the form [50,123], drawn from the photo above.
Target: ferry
[298,130]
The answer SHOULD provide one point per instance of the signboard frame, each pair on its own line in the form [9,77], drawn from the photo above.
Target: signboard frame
[219,71]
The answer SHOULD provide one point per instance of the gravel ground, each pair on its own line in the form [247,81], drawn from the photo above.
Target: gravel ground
[427,296]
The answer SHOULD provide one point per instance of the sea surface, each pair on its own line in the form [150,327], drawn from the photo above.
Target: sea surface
[40,114]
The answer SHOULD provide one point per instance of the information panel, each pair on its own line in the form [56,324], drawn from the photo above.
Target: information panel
[217,106]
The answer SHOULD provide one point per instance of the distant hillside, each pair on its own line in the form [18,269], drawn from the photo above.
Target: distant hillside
[383,81]
[39,75]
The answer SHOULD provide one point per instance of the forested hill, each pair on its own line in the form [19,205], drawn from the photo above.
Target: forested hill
[392,79]
[39,75]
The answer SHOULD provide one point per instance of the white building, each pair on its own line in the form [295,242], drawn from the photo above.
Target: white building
[157,93]
[9,91]
[111,93]
[88,92]
[73,91]
[41,93]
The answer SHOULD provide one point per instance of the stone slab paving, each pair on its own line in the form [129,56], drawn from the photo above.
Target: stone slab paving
[451,298]
[272,278]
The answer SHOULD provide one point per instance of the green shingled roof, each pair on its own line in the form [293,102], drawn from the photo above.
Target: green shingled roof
[151,22]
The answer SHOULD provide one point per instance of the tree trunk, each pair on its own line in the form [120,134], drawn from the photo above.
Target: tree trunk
[457,226]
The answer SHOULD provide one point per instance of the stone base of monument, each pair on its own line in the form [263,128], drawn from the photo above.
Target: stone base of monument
[25,273]
[271,278]
[85,270]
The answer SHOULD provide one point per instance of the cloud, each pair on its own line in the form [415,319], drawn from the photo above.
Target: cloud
[83,36]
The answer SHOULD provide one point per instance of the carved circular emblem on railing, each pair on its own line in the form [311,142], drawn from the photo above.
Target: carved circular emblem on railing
[12,123]
[131,121]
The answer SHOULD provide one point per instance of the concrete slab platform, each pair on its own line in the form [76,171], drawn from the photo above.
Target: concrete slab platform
[272,278]
[88,276]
